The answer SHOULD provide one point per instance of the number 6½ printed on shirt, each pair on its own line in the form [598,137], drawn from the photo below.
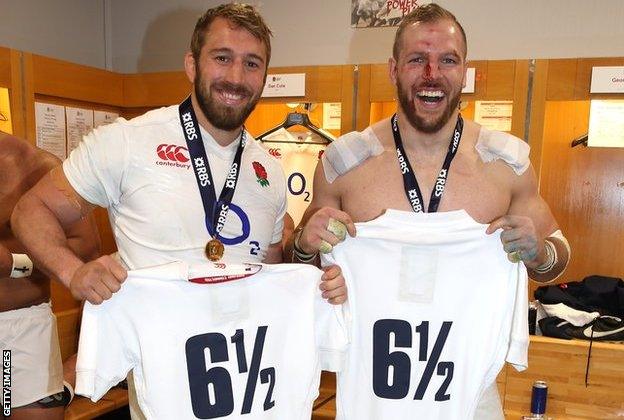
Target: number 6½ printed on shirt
[392,371]
[211,390]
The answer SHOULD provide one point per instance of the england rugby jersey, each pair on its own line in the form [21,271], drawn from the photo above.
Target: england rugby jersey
[436,309]
[141,171]
[298,159]
[251,346]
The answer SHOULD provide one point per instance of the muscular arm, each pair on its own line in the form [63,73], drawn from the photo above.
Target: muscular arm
[529,222]
[83,238]
[40,221]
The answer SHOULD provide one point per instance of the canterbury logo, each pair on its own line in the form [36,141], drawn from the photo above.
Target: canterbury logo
[275,152]
[172,152]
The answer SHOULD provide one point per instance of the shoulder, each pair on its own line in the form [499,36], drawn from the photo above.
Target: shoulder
[17,153]
[121,130]
[493,145]
[158,116]
[350,150]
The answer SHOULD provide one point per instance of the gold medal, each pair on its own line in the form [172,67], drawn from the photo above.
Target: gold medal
[214,249]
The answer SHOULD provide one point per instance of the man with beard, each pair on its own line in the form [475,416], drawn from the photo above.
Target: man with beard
[396,163]
[147,172]
[27,325]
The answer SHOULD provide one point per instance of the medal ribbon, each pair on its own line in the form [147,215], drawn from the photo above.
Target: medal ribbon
[410,183]
[215,211]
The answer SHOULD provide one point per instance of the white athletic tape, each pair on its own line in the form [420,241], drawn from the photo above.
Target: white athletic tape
[22,266]
[337,228]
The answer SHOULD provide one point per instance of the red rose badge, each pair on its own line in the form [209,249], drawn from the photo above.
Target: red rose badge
[261,174]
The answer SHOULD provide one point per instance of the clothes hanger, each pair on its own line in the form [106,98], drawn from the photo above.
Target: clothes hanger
[580,140]
[302,119]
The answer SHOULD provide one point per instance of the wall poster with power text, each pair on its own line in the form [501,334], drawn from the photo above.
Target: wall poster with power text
[378,13]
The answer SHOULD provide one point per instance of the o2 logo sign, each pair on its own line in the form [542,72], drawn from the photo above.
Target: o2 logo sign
[297,186]
[245,230]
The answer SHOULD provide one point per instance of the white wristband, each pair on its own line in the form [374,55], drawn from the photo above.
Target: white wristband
[22,266]
[67,388]
[551,258]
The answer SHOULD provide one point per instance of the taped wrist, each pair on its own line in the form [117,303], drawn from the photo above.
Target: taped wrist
[22,266]
[298,252]
[551,258]
[68,393]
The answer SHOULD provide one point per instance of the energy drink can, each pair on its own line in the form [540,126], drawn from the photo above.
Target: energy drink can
[538,398]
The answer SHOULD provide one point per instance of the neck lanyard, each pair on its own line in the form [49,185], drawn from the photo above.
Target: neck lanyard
[215,211]
[412,189]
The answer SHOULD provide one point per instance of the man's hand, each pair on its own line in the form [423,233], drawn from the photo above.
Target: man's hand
[520,240]
[317,230]
[333,285]
[96,281]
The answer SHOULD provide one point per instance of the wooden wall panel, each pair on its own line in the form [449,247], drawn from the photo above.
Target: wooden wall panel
[584,188]
[5,67]
[481,80]
[18,92]
[348,99]
[381,88]
[68,80]
[538,112]
[570,79]
[561,79]
[500,80]
[520,98]
[562,365]
[363,95]
[154,89]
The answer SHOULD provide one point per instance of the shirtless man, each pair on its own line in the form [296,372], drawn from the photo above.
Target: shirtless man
[493,186]
[27,326]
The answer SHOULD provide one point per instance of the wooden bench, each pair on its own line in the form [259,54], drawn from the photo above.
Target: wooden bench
[81,408]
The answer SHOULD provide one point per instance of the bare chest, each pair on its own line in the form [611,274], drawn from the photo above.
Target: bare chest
[471,185]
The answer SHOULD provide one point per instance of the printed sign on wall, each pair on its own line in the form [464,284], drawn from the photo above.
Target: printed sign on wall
[607,80]
[50,125]
[283,85]
[79,123]
[103,117]
[377,13]
[606,123]
[5,111]
[494,115]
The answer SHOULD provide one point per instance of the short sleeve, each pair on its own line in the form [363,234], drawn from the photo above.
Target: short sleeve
[104,356]
[95,169]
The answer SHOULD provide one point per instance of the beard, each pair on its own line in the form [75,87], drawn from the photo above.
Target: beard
[420,123]
[219,115]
